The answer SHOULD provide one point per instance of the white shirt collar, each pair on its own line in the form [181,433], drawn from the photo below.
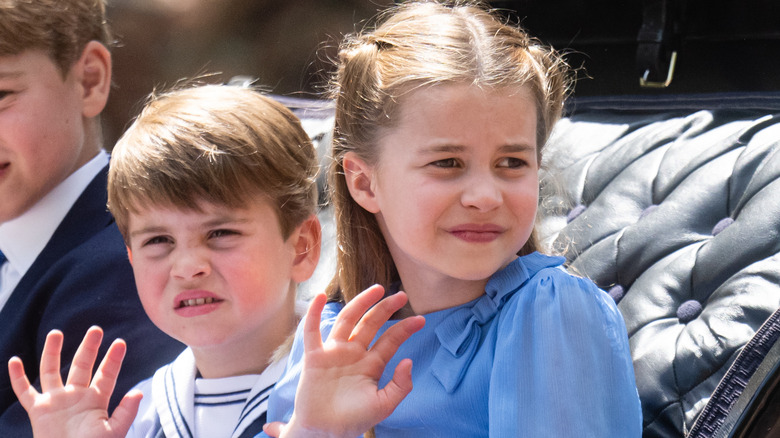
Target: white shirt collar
[23,238]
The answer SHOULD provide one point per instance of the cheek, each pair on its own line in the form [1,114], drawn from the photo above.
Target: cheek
[150,284]
[525,205]
[411,212]
[254,274]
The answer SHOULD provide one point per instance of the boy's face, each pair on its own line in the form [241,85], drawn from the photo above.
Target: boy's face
[42,138]
[220,280]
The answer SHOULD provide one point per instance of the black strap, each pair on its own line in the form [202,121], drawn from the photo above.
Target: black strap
[744,385]
[658,41]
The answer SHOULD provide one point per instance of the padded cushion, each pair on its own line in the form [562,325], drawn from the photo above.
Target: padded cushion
[675,212]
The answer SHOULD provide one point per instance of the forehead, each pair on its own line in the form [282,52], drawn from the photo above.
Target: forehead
[462,114]
[449,99]
[27,63]
[202,209]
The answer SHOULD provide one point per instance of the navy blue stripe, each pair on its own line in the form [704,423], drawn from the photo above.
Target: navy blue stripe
[252,403]
[224,394]
[226,403]
[249,408]
[169,373]
[255,428]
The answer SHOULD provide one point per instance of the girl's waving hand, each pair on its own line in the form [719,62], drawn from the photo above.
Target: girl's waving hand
[338,393]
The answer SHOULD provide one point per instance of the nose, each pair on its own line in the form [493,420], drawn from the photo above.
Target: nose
[190,263]
[482,192]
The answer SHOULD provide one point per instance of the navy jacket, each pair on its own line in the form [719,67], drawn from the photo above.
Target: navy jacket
[81,278]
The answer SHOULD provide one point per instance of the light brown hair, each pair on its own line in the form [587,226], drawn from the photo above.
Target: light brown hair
[418,44]
[61,28]
[216,143]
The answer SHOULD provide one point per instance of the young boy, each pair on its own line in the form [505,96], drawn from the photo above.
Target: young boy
[62,259]
[214,190]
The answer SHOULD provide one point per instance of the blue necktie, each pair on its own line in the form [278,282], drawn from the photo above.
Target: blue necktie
[2,262]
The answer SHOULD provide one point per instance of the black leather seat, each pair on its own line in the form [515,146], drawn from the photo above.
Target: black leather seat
[673,206]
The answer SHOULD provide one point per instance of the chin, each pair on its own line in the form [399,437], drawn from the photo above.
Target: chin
[472,274]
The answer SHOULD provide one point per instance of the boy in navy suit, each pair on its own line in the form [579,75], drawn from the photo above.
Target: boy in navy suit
[63,262]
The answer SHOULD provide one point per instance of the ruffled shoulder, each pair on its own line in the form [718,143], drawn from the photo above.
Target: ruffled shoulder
[514,276]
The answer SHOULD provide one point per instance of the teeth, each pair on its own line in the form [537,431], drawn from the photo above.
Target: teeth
[196,302]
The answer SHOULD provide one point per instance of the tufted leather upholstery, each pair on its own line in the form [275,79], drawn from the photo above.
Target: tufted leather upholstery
[675,210]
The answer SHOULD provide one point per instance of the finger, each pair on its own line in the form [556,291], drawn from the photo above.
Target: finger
[125,413]
[375,317]
[25,392]
[353,311]
[398,388]
[50,362]
[273,429]
[312,337]
[80,372]
[387,344]
[108,371]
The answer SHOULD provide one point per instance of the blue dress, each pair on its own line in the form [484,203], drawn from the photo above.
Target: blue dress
[541,354]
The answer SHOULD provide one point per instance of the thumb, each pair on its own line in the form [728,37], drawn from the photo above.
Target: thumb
[273,429]
[398,388]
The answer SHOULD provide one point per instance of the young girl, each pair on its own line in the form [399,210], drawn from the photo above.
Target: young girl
[441,116]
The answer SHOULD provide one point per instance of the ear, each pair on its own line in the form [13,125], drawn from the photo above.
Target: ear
[129,254]
[307,239]
[360,181]
[93,73]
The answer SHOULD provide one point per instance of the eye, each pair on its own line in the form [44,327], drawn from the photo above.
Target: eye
[223,233]
[446,163]
[5,93]
[512,162]
[157,240]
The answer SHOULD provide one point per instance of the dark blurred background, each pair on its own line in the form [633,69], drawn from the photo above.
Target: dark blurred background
[285,44]
[721,46]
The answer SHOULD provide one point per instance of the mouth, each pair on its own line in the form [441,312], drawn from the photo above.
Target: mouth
[477,233]
[195,298]
[193,302]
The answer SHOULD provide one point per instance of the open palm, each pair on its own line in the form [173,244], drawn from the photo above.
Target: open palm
[79,408]
[338,394]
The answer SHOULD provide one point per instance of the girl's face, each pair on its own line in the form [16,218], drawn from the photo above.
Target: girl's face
[456,186]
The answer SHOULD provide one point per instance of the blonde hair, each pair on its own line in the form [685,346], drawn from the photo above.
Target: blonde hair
[419,44]
[216,143]
[61,28]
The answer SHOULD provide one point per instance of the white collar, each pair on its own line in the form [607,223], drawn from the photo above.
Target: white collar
[173,389]
[23,238]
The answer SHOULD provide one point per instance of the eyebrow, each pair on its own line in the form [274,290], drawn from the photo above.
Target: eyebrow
[442,148]
[147,230]
[216,222]
[520,147]
[453,148]
[222,220]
